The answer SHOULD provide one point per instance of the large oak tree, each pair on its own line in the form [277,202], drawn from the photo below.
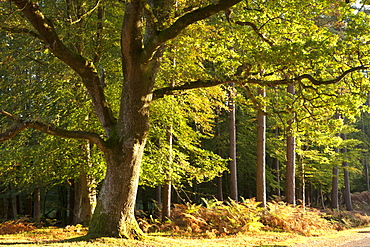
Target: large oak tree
[146,27]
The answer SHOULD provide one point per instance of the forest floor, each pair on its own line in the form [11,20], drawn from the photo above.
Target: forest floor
[351,226]
[72,236]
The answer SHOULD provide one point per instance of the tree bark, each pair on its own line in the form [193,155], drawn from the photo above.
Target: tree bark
[220,195]
[334,189]
[335,177]
[232,136]
[36,204]
[277,170]
[366,169]
[347,187]
[261,153]
[290,158]
[13,203]
[114,213]
[167,187]
[85,199]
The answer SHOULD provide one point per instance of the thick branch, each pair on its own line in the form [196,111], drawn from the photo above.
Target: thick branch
[335,80]
[78,63]
[20,125]
[308,77]
[180,24]
[160,93]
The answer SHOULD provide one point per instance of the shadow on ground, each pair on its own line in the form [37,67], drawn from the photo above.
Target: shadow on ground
[76,239]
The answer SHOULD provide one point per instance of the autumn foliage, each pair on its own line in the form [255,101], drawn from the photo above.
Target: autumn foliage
[12,227]
[215,218]
[289,218]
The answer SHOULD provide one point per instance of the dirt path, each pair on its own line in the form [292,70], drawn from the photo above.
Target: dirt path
[349,238]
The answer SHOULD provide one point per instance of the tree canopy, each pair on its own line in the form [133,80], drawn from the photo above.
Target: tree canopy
[92,70]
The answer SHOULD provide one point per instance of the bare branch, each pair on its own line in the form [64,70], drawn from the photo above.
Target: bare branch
[20,125]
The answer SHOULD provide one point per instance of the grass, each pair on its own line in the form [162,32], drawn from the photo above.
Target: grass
[66,237]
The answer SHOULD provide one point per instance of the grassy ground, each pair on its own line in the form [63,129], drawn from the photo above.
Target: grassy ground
[76,237]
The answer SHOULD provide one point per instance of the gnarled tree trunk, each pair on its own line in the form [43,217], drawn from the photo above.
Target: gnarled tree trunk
[125,138]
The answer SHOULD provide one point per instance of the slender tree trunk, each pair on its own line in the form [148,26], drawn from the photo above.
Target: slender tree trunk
[167,187]
[335,186]
[290,158]
[277,170]
[302,182]
[261,153]
[158,194]
[36,204]
[166,201]
[84,193]
[220,196]
[366,168]
[13,203]
[334,189]
[83,205]
[335,177]
[3,207]
[232,133]
[347,188]
[322,199]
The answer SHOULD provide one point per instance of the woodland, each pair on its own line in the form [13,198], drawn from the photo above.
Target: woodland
[113,112]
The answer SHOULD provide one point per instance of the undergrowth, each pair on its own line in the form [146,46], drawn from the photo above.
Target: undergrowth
[16,226]
[289,218]
[217,218]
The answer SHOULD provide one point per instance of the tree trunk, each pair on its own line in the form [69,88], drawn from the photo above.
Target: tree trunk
[84,192]
[167,187]
[166,202]
[290,159]
[114,213]
[220,196]
[347,188]
[302,182]
[36,204]
[334,189]
[13,203]
[85,199]
[261,153]
[366,168]
[232,132]
[277,170]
